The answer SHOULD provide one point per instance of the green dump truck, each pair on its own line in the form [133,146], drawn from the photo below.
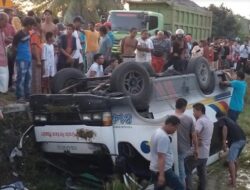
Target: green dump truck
[161,15]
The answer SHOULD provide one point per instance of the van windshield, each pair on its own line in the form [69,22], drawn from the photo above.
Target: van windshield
[123,21]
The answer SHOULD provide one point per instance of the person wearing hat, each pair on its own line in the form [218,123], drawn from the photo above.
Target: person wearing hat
[78,53]
[110,34]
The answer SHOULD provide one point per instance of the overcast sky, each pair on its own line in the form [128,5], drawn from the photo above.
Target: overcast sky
[241,7]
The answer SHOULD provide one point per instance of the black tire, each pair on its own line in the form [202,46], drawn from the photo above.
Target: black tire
[67,77]
[133,80]
[200,67]
[211,87]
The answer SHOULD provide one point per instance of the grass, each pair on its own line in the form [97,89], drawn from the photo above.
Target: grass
[244,118]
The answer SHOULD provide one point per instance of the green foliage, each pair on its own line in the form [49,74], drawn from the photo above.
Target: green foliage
[244,118]
[224,22]
[90,10]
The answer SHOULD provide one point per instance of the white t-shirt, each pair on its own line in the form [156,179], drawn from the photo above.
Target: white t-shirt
[160,143]
[142,56]
[78,54]
[48,57]
[97,68]
[204,128]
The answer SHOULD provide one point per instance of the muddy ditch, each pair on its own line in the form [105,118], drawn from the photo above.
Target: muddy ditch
[35,174]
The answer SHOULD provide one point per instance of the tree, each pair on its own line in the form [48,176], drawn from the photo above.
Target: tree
[90,10]
[224,23]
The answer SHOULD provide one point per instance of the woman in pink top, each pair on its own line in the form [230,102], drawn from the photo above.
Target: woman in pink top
[4,73]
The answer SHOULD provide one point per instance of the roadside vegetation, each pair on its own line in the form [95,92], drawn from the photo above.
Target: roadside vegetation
[244,118]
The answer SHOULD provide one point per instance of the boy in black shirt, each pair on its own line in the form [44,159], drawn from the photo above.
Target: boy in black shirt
[235,138]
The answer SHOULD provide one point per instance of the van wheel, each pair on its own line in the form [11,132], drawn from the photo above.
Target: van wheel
[65,78]
[133,80]
[206,79]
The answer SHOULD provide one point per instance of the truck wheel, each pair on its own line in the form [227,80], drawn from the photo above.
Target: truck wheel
[65,78]
[133,80]
[200,67]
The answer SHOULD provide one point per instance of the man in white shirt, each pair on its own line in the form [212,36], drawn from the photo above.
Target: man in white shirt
[204,129]
[244,53]
[78,53]
[96,69]
[144,48]
[162,158]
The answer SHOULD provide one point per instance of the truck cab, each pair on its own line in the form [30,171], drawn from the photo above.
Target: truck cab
[122,21]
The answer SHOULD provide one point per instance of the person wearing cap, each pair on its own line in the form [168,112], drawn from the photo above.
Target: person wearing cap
[110,33]
[48,25]
[92,43]
[78,53]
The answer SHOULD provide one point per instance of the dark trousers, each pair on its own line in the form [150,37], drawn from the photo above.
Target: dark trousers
[179,64]
[11,63]
[200,164]
[171,178]
[232,114]
[242,64]
[62,64]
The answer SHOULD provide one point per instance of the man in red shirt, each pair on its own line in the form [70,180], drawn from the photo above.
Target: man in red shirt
[9,32]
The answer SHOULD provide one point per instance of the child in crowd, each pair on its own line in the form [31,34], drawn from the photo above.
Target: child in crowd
[48,60]
[21,44]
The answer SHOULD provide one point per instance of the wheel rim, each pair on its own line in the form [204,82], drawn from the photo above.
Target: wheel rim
[203,73]
[133,82]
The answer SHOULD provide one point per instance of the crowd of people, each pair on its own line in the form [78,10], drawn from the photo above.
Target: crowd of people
[35,49]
